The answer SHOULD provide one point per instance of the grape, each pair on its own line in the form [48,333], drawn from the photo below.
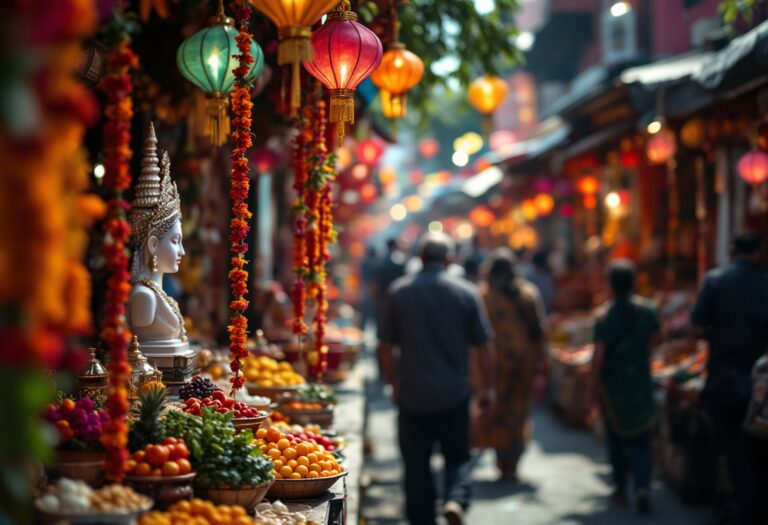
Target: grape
[199,387]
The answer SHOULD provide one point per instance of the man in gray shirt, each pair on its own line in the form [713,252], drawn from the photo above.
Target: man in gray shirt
[432,319]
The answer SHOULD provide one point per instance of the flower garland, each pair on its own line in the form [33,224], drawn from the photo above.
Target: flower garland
[314,170]
[239,188]
[117,87]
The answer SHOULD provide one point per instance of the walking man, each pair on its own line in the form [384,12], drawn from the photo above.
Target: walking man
[732,313]
[431,321]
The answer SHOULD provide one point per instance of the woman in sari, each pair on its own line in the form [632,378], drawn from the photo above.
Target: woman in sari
[517,315]
[625,331]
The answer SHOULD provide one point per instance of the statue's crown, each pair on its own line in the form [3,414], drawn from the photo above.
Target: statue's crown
[156,204]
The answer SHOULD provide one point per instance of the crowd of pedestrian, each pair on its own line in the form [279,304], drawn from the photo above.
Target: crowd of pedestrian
[462,342]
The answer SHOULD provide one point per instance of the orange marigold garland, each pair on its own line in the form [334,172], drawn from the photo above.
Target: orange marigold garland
[300,234]
[239,188]
[117,87]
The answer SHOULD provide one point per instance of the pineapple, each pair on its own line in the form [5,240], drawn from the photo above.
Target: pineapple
[148,428]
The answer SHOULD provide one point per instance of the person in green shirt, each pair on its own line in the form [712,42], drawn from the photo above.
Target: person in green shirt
[625,331]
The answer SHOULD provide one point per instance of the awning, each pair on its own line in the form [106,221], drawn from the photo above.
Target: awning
[669,70]
[738,62]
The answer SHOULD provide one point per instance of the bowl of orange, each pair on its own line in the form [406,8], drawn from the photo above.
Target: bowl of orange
[302,468]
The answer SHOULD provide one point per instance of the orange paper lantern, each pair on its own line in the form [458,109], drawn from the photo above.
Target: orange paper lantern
[588,185]
[482,216]
[487,93]
[544,204]
[294,20]
[399,71]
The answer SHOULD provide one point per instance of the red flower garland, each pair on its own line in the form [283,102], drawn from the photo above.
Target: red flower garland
[239,188]
[117,87]
[314,170]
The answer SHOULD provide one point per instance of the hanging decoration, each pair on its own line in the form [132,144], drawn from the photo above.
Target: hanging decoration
[207,60]
[399,71]
[300,260]
[544,204]
[661,147]
[345,53]
[428,148]
[294,20]
[753,167]
[117,87]
[239,189]
[486,95]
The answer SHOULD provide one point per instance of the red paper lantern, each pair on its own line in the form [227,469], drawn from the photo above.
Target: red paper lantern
[369,151]
[345,53]
[264,159]
[368,192]
[630,159]
[753,167]
[661,147]
[428,148]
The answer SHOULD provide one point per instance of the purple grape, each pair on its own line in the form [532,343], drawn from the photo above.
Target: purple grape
[86,403]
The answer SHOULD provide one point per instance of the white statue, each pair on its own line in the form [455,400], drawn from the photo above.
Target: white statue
[156,239]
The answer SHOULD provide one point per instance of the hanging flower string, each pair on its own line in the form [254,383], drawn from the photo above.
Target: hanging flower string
[314,170]
[300,248]
[239,189]
[117,87]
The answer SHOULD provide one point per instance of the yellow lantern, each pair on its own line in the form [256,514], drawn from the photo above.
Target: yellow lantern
[486,94]
[294,20]
[399,71]
[693,133]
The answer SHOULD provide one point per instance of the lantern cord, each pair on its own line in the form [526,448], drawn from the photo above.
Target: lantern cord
[395,20]
[487,125]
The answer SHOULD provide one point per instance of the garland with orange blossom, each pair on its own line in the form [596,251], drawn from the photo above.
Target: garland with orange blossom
[239,188]
[314,171]
[117,87]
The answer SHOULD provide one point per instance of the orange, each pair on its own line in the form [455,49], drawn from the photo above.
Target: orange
[171,469]
[334,472]
[325,474]
[243,520]
[301,469]
[302,449]
[283,443]
[312,475]
[314,467]
[292,463]
[295,475]
[286,471]
[278,475]
[261,433]
[289,452]
[303,460]
[273,434]
[273,453]
[130,465]
[143,469]
[312,457]
[278,465]
[325,464]
[183,506]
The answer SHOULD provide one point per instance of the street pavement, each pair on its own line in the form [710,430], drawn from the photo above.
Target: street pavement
[564,480]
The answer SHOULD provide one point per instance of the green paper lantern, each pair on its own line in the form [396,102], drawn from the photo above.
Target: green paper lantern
[206,60]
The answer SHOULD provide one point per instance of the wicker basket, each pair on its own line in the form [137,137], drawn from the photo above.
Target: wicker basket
[253,423]
[272,392]
[246,497]
[86,466]
[165,490]
[92,518]
[302,488]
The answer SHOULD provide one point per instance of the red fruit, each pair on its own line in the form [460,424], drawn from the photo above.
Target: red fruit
[178,451]
[220,395]
[157,455]
[156,473]
[229,403]
[222,410]
[142,469]
[185,467]
[191,401]
[139,456]
[171,469]
[170,441]
[67,405]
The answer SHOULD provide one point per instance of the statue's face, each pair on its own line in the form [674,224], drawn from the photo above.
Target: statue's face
[170,250]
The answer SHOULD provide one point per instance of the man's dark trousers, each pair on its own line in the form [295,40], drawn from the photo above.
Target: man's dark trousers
[418,432]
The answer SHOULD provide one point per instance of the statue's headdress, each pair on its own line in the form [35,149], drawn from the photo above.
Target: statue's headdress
[156,205]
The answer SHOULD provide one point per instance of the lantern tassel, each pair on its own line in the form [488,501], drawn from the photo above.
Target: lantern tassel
[295,47]
[342,109]
[218,119]
[487,125]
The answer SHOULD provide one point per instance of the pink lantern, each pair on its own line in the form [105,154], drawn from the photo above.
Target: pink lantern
[661,147]
[345,53]
[369,151]
[753,167]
